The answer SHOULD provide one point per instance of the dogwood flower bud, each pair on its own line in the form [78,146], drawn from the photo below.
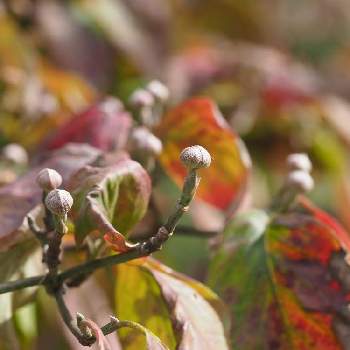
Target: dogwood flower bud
[141,98]
[299,161]
[59,202]
[142,140]
[195,157]
[15,153]
[48,179]
[301,180]
[158,90]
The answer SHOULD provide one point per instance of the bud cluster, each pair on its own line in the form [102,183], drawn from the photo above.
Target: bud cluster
[59,202]
[149,102]
[299,176]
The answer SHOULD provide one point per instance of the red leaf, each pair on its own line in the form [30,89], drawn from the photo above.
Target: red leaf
[198,121]
[105,125]
[339,232]
[286,281]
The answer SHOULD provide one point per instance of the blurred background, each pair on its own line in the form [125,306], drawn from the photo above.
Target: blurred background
[278,69]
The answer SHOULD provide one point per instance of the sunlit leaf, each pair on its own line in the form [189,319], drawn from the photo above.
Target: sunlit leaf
[110,200]
[155,296]
[198,121]
[285,281]
[152,341]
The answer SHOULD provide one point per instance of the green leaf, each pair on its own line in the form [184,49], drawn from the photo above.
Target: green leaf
[169,304]
[138,298]
[152,341]
[26,322]
[110,200]
[21,261]
[284,281]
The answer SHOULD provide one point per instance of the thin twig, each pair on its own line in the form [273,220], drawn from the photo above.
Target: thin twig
[69,321]
[183,231]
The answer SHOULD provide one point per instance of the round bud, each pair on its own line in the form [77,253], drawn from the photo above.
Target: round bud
[301,180]
[195,157]
[158,90]
[59,202]
[142,140]
[48,179]
[299,161]
[111,105]
[141,98]
[15,153]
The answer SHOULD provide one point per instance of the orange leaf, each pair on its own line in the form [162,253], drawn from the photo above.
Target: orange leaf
[198,121]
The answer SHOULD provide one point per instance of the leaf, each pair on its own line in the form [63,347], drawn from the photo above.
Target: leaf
[105,125]
[20,197]
[198,121]
[36,96]
[110,200]
[151,294]
[152,341]
[23,260]
[101,340]
[286,282]
[123,29]
[62,48]
[200,288]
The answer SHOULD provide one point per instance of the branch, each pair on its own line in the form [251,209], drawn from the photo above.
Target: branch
[21,284]
[144,249]
[69,321]
[183,231]
[92,265]
[59,203]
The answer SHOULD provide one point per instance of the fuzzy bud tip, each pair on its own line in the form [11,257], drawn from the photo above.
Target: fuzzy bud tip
[59,202]
[143,140]
[141,98]
[299,161]
[158,90]
[195,157]
[15,153]
[48,179]
[301,180]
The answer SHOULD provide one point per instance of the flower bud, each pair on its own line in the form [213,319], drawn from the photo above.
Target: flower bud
[299,161]
[142,140]
[141,98]
[59,202]
[300,180]
[158,90]
[15,153]
[48,179]
[195,157]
